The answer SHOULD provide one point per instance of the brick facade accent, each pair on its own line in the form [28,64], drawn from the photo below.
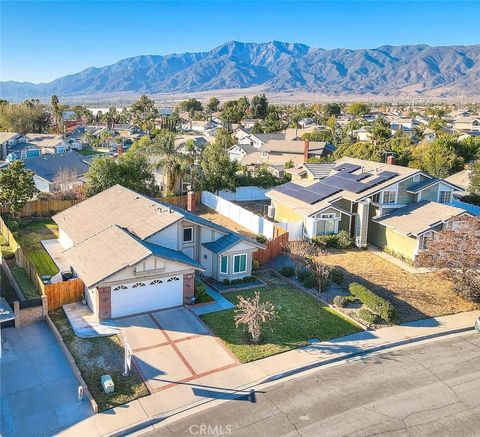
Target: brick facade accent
[104,303]
[188,287]
[191,201]
[25,316]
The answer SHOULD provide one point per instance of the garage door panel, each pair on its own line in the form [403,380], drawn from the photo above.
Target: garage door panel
[149,295]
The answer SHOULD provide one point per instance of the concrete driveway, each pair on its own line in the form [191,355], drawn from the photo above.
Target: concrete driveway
[38,390]
[173,346]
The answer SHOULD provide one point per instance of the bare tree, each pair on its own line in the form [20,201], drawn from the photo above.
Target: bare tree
[65,179]
[322,273]
[253,314]
[456,252]
[300,252]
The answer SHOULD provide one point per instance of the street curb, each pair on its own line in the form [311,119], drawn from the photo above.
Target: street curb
[137,428]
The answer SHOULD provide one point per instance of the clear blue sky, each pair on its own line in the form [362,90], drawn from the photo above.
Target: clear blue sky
[42,40]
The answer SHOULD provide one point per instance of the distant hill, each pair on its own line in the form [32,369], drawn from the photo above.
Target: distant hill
[276,67]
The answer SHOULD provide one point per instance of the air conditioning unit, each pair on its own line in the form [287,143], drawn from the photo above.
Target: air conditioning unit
[271,211]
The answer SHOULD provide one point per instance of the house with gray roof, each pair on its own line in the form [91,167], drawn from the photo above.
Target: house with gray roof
[55,173]
[136,254]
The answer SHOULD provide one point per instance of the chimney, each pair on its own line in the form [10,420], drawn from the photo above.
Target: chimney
[391,160]
[191,201]
[306,147]
[120,149]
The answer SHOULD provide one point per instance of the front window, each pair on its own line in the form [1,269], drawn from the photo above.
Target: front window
[224,264]
[376,198]
[425,239]
[187,235]
[240,263]
[389,197]
[327,224]
[445,196]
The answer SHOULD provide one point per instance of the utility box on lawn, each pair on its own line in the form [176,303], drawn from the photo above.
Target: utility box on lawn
[107,384]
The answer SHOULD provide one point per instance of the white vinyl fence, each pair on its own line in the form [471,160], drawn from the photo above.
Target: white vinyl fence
[244,194]
[248,219]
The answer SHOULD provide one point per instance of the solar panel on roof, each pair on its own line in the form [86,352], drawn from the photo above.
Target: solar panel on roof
[309,196]
[353,177]
[344,184]
[347,167]
[323,189]
[381,177]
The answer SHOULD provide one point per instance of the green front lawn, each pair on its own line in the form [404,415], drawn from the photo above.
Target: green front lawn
[89,152]
[29,236]
[300,317]
[99,356]
[28,288]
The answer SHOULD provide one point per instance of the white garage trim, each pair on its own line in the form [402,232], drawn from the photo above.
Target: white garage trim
[149,295]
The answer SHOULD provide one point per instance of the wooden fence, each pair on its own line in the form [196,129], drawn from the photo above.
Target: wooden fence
[274,247]
[180,201]
[59,293]
[64,292]
[43,208]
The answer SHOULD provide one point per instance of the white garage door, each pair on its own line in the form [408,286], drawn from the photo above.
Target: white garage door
[149,295]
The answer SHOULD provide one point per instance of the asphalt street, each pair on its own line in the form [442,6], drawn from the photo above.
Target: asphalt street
[424,390]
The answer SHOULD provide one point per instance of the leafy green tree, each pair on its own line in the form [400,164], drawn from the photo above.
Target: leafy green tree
[380,131]
[357,109]
[27,117]
[402,149]
[223,137]
[231,112]
[468,149]
[17,186]
[438,158]
[360,150]
[259,106]
[243,105]
[217,172]
[213,104]
[132,170]
[436,124]
[474,187]
[272,122]
[332,109]
[191,105]
[143,112]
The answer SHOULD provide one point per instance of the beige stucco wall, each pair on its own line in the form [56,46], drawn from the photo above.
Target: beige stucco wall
[384,237]
[284,213]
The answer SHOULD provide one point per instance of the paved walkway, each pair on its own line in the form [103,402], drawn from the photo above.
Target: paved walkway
[241,380]
[38,390]
[55,250]
[219,304]
[398,262]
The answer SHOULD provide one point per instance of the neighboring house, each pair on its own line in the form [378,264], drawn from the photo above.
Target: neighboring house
[202,127]
[250,122]
[136,254]
[311,171]
[55,173]
[296,134]
[461,179]
[363,134]
[469,124]
[358,195]
[7,139]
[47,143]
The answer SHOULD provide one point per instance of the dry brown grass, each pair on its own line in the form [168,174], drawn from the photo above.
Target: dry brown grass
[416,296]
[219,219]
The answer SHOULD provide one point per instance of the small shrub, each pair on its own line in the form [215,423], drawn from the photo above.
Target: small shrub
[248,279]
[201,294]
[255,265]
[339,301]
[342,240]
[226,281]
[237,282]
[261,239]
[324,284]
[368,316]
[377,304]
[287,271]
[310,282]
[337,276]
[302,274]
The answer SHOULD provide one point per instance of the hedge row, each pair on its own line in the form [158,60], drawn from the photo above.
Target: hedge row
[377,304]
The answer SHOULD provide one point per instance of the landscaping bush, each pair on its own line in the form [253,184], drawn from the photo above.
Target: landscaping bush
[310,281]
[302,274]
[337,276]
[200,292]
[377,304]
[248,279]
[342,240]
[368,316]
[237,282]
[343,301]
[255,265]
[261,239]
[287,271]
[226,281]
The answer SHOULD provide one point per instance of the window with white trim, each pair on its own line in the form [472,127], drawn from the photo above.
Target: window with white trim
[240,263]
[188,235]
[224,264]
[156,281]
[445,197]
[389,197]
[138,284]
[173,278]
[428,236]
[120,287]
[327,224]
[376,198]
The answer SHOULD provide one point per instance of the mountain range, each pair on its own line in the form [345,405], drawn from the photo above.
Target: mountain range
[277,67]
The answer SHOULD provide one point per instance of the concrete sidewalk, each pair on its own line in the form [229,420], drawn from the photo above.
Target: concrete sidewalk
[239,382]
